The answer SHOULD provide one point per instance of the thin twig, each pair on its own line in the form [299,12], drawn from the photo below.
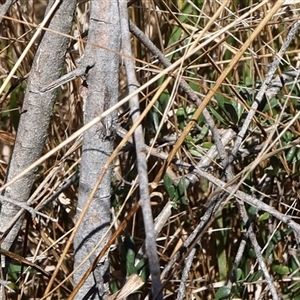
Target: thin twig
[159,223]
[141,157]
[60,190]
[253,202]
[182,287]
[23,205]
[257,250]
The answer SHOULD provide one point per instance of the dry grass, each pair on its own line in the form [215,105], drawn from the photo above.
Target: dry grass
[176,28]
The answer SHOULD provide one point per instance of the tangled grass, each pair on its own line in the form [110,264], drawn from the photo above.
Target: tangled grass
[223,52]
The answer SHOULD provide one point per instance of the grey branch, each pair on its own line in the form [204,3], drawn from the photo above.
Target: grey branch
[80,71]
[4,8]
[101,93]
[23,205]
[288,77]
[151,248]
[33,126]
[185,274]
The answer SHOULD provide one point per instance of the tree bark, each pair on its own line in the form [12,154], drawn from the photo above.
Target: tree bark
[36,114]
[102,92]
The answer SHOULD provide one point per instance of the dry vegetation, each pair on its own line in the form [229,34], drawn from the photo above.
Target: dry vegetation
[223,253]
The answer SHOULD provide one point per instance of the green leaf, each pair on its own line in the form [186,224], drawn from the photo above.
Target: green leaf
[265,216]
[238,274]
[155,113]
[221,241]
[245,95]
[113,286]
[290,155]
[221,100]
[164,100]
[195,153]
[144,274]
[277,237]
[181,117]
[194,86]
[218,116]
[184,200]
[203,133]
[206,145]
[177,31]
[141,264]
[14,271]
[297,158]
[231,113]
[181,188]
[130,255]
[222,292]
[168,183]
[288,136]
[180,112]
[281,270]
[255,276]
[142,269]
[271,105]
[248,79]
[252,211]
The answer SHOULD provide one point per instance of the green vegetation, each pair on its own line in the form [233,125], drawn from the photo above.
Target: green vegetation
[266,166]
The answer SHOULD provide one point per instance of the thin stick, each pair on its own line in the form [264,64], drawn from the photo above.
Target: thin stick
[145,204]
[188,263]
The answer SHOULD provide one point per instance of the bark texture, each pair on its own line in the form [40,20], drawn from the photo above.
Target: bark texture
[102,92]
[36,113]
